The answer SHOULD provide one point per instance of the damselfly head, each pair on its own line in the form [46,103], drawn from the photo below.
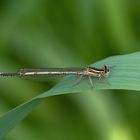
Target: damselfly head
[106,70]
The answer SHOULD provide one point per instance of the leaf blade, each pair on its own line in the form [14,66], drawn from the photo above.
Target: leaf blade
[124,75]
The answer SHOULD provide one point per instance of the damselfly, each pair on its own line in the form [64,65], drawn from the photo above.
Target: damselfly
[81,72]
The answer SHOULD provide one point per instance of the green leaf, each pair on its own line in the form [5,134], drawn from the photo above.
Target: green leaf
[125,74]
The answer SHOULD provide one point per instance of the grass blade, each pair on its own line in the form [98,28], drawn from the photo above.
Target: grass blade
[124,75]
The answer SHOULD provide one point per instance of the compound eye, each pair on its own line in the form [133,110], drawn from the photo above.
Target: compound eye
[106,68]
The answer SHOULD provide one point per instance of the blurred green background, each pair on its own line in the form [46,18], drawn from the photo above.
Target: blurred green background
[64,33]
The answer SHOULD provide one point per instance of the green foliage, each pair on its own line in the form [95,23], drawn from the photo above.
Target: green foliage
[71,33]
[124,75]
